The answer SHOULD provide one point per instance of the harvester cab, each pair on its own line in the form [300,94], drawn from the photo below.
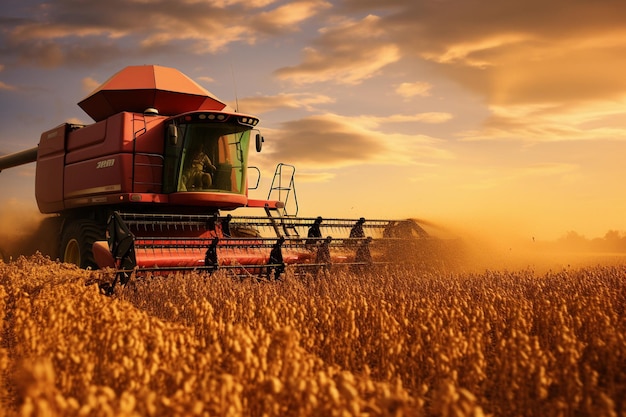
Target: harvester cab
[144,188]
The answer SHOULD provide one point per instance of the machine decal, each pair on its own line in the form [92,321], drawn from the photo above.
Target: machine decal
[106,163]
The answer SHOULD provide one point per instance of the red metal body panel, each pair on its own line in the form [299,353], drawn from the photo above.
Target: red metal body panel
[49,187]
[115,199]
[220,200]
[92,177]
[115,135]
[194,257]
[87,137]
[271,204]
[50,168]
[102,255]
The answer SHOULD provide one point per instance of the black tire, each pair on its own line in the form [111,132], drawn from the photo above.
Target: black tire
[77,242]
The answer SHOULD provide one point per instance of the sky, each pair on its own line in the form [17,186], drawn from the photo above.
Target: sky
[492,114]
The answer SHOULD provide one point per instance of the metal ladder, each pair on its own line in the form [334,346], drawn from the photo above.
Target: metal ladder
[283,187]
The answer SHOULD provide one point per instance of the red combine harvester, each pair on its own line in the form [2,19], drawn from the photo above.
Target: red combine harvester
[144,188]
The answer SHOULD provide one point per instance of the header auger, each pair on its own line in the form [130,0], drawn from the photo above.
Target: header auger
[149,186]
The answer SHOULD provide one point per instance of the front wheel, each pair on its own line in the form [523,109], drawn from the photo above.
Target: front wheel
[77,242]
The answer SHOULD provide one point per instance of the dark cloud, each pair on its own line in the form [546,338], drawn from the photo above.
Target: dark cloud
[516,51]
[332,141]
[348,52]
[68,32]
[50,54]
[324,141]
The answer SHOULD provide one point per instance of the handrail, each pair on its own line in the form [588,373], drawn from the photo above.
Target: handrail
[258,179]
[160,165]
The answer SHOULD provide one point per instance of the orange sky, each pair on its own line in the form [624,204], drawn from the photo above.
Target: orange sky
[490,114]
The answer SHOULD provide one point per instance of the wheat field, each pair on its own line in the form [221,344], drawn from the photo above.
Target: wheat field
[388,343]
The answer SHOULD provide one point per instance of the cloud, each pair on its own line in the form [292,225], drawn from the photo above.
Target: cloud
[542,77]
[206,79]
[263,104]
[429,117]
[76,121]
[333,141]
[347,53]
[62,32]
[252,3]
[410,90]
[513,54]
[88,84]
[7,87]
[524,59]
[517,51]
[554,122]
[4,86]
[288,16]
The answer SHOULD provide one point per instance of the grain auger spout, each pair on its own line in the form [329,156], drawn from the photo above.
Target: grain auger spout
[19,158]
[155,183]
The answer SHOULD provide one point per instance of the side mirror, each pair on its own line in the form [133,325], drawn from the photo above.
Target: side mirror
[259,142]
[172,134]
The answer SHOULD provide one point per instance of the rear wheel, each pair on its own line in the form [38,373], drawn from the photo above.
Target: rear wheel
[77,242]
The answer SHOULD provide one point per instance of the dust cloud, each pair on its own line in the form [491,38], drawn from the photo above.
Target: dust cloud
[25,231]
[477,249]
[456,246]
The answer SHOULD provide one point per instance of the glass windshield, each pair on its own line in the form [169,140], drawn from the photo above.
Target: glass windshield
[213,157]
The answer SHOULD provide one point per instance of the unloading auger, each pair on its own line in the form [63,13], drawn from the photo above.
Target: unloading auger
[151,185]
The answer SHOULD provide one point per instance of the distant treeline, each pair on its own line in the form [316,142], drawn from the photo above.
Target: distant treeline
[613,241]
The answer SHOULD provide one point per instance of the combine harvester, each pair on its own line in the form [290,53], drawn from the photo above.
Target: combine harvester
[146,188]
